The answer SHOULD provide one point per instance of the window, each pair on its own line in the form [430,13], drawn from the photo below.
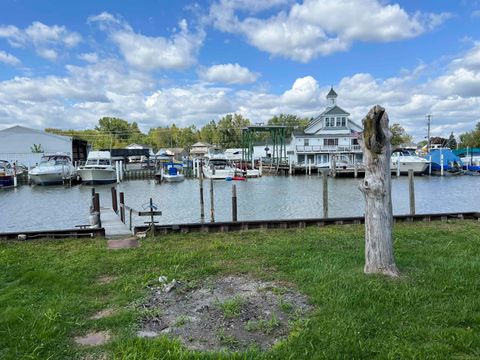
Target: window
[344,121]
[305,142]
[354,141]
[330,142]
[338,121]
[327,122]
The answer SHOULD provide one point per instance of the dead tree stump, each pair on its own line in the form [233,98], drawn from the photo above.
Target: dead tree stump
[377,189]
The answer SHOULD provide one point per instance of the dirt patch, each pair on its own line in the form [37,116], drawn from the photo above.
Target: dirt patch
[102,314]
[93,338]
[229,313]
[106,279]
[131,242]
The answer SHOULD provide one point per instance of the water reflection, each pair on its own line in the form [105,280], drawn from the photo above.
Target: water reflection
[56,207]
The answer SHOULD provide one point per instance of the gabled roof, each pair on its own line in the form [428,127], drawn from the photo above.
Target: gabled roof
[22,129]
[336,110]
[332,92]
[201,144]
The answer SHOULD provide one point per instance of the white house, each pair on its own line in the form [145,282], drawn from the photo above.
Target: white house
[26,146]
[331,134]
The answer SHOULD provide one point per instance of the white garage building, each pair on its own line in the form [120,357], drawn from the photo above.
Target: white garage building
[26,146]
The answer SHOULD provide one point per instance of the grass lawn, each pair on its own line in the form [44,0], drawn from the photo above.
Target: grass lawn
[49,290]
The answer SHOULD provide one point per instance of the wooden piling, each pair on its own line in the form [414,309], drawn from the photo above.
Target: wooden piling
[355,169]
[114,200]
[122,207]
[96,202]
[411,188]
[234,203]
[212,202]
[202,204]
[325,193]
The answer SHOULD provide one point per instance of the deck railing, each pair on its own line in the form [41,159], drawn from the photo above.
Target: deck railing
[328,148]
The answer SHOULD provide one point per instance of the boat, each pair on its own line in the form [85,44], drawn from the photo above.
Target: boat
[407,160]
[173,174]
[446,159]
[217,165]
[98,168]
[6,174]
[53,169]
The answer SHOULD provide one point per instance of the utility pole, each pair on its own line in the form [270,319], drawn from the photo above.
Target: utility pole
[429,120]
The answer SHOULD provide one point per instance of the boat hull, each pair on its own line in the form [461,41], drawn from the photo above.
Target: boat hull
[47,179]
[6,181]
[97,176]
[218,174]
[405,166]
[173,178]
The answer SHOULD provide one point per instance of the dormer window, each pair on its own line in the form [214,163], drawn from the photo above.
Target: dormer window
[344,121]
[327,122]
[338,121]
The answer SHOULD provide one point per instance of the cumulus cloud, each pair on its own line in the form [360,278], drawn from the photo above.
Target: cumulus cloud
[228,74]
[46,40]
[89,57]
[9,59]
[314,28]
[179,51]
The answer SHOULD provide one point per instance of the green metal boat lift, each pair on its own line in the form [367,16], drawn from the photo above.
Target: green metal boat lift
[277,136]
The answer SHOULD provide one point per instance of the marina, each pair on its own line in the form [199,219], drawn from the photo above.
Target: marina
[36,208]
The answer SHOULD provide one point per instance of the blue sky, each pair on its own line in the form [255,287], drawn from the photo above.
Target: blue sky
[68,63]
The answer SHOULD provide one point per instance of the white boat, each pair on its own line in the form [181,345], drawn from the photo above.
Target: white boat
[53,169]
[172,174]
[98,169]
[217,166]
[407,160]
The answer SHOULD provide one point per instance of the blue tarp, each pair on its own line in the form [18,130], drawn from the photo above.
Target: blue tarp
[450,160]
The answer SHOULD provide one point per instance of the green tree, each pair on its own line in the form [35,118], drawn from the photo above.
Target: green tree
[230,130]
[292,122]
[36,148]
[209,133]
[399,135]
[452,141]
[471,138]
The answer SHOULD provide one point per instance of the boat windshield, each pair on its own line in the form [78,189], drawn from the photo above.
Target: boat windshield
[5,165]
[98,162]
[54,160]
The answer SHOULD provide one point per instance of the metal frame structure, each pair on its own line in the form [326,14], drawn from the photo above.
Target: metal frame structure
[277,134]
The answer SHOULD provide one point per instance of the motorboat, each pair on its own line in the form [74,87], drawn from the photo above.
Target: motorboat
[173,173]
[403,160]
[217,165]
[53,169]
[444,158]
[98,168]
[6,174]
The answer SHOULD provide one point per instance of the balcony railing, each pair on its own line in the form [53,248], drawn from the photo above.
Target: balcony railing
[327,148]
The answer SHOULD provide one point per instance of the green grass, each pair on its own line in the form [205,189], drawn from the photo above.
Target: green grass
[232,308]
[49,290]
[266,326]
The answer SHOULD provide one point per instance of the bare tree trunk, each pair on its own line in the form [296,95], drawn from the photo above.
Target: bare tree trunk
[377,189]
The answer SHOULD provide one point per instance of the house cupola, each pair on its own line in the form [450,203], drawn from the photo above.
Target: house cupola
[331,98]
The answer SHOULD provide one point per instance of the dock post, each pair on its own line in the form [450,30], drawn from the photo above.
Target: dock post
[411,189]
[131,213]
[355,169]
[97,208]
[309,167]
[398,167]
[202,205]
[151,217]
[117,172]
[114,200]
[260,168]
[122,207]
[325,193]
[430,165]
[290,172]
[121,170]
[234,203]
[441,164]
[212,202]
[334,166]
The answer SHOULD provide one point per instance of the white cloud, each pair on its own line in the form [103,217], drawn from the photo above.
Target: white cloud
[9,59]
[316,28]
[228,74]
[47,40]
[89,57]
[149,53]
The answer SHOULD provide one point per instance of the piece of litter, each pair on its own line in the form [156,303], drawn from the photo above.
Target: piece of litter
[162,279]
[168,287]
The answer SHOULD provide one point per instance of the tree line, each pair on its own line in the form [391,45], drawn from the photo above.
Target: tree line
[114,132]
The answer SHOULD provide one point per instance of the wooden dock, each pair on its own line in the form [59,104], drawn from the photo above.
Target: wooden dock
[112,223]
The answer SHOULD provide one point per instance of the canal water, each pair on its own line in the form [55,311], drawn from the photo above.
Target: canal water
[269,197]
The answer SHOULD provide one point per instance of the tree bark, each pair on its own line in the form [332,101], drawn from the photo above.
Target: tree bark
[377,189]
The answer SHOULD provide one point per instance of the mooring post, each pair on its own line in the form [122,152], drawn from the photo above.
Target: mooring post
[234,203]
[309,167]
[93,199]
[202,205]
[325,193]
[131,213]
[290,171]
[117,171]
[411,190]
[334,167]
[398,167]
[212,202]
[122,207]
[97,208]
[151,217]
[355,169]
[441,164]
[114,200]
[430,165]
